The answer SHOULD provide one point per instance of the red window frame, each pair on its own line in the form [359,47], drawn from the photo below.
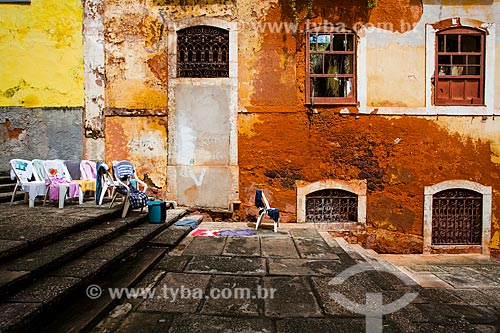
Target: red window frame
[459,72]
[342,83]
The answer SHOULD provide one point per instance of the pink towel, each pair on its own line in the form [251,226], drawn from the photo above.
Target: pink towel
[205,232]
[54,190]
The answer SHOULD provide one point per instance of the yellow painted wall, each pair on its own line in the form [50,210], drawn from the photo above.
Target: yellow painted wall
[41,54]
[404,86]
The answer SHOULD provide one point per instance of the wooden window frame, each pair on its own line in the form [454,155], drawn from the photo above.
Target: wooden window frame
[460,31]
[315,100]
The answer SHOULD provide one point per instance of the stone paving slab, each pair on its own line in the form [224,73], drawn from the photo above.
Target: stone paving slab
[476,297]
[284,266]
[189,288]
[244,296]
[278,247]
[305,233]
[347,325]
[355,288]
[216,324]
[226,265]
[208,246]
[314,248]
[293,297]
[146,322]
[173,263]
[468,279]
[242,246]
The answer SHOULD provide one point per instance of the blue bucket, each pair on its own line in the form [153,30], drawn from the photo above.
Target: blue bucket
[157,211]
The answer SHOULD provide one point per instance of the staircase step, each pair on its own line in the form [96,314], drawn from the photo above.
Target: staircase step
[171,237]
[24,229]
[87,312]
[9,187]
[66,272]
[7,196]
[45,258]
[5,179]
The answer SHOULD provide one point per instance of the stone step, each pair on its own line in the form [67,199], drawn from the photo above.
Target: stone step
[24,229]
[31,265]
[63,275]
[86,312]
[5,179]
[7,196]
[173,235]
[9,187]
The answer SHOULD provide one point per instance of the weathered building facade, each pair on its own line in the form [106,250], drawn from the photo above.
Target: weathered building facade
[375,120]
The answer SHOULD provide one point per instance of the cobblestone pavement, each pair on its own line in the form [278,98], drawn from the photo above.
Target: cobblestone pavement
[302,280]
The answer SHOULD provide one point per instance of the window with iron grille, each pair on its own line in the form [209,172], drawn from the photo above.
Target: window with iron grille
[331,67]
[460,67]
[203,51]
[457,216]
[332,205]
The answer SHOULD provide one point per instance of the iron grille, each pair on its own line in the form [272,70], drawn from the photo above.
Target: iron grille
[457,217]
[331,206]
[203,51]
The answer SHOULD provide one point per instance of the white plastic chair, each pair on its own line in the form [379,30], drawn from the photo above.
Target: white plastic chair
[125,177]
[28,180]
[60,179]
[264,208]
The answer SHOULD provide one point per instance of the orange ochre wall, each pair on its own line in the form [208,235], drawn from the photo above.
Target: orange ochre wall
[280,141]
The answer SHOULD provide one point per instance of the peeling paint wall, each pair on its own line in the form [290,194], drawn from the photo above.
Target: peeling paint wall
[280,141]
[143,141]
[41,80]
[45,133]
[41,54]
[397,155]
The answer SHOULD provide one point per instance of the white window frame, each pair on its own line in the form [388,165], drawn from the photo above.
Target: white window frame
[429,192]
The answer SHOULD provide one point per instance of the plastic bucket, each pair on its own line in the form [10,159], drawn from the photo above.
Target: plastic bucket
[157,211]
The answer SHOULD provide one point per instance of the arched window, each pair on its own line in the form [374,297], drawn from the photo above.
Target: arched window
[330,67]
[459,68]
[203,51]
[331,205]
[457,216]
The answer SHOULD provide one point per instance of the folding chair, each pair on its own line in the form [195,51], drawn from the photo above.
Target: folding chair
[129,187]
[28,180]
[264,208]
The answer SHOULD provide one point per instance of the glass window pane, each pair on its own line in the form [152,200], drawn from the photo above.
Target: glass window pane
[440,43]
[444,70]
[339,64]
[339,42]
[316,63]
[451,43]
[474,70]
[457,70]
[459,59]
[350,42]
[332,87]
[474,60]
[471,43]
[312,42]
[324,42]
[444,60]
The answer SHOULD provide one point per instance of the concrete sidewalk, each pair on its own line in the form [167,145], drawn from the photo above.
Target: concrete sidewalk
[302,280]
